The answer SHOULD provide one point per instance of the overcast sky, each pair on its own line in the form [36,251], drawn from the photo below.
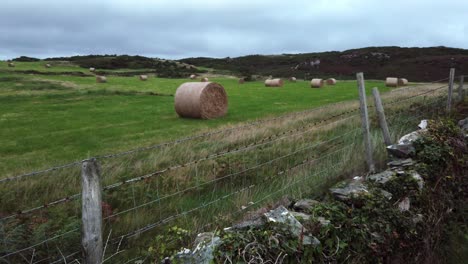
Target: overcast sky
[221,28]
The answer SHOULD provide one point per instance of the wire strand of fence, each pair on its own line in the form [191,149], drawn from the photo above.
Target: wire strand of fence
[219,154]
[68,165]
[46,205]
[262,142]
[40,243]
[173,217]
[233,174]
[399,100]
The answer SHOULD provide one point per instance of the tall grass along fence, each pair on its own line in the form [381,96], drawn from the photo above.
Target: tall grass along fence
[124,207]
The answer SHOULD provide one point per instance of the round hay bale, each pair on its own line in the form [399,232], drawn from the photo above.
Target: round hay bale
[402,82]
[92,69]
[273,83]
[205,100]
[48,65]
[204,79]
[331,81]
[11,64]
[143,77]
[293,79]
[316,83]
[101,79]
[241,81]
[391,82]
[193,76]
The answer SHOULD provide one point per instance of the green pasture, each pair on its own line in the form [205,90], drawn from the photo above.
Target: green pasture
[47,120]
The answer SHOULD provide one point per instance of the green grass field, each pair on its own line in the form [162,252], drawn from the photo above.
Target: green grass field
[47,120]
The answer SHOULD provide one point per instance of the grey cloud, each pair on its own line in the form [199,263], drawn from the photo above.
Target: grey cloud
[176,29]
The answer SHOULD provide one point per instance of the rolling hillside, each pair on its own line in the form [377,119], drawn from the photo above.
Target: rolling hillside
[416,64]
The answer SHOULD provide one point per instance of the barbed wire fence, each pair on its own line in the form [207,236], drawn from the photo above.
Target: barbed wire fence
[144,191]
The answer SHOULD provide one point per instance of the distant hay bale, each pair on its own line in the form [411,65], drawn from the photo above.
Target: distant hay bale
[293,79]
[391,82]
[402,82]
[204,79]
[101,79]
[331,81]
[316,83]
[143,77]
[274,83]
[48,65]
[193,76]
[205,100]
[241,81]
[92,69]
[11,64]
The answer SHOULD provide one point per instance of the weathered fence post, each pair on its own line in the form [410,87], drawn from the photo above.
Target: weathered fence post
[450,90]
[365,121]
[461,93]
[381,114]
[91,233]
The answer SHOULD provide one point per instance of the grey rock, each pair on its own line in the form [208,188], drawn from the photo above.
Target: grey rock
[418,179]
[464,127]
[305,204]
[423,124]
[323,221]
[463,124]
[401,163]
[352,189]
[386,194]
[282,215]
[301,216]
[404,205]
[247,224]
[203,251]
[401,150]
[418,218]
[411,137]
[404,148]
[382,177]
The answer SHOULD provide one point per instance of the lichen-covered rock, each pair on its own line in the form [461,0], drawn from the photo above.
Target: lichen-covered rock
[247,224]
[301,216]
[411,137]
[382,177]
[404,205]
[418,179]
[305,204]
[404,148]
[282,215]
[463,124]
[346,192]
[401,150]
[323,221]
[203,251]
[401,163]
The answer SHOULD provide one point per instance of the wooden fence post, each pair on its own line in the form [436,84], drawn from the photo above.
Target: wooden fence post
[91,233]
[365,121]
[461,93]
[450,90]
[381,114]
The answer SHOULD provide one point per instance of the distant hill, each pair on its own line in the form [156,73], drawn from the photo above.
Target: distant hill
[163,68]
[415,64]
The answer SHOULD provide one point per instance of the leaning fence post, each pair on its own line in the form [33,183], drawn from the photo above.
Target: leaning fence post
[381,114]
[450,90]
[461,94]
[365,121]
[91,233]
